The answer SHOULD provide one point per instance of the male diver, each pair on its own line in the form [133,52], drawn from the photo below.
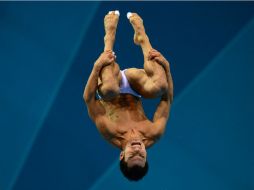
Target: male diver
[118,113]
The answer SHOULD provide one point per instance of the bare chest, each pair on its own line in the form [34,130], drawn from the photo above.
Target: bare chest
[117,133]
[125,117]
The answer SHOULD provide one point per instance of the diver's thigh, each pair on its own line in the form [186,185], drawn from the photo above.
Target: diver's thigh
[148,87]
[137,79]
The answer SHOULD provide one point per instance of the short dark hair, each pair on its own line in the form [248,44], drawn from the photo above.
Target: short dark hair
[134,173]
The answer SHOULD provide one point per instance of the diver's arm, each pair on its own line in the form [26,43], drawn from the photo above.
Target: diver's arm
[161,116]
[95,108]
[162,112]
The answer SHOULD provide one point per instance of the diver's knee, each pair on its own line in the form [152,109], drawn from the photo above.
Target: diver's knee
[109,91]
[159,87]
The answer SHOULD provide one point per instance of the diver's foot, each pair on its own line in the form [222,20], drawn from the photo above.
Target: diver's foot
[137,24]
[110,22]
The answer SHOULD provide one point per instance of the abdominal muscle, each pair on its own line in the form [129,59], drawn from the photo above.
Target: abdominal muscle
[123,108]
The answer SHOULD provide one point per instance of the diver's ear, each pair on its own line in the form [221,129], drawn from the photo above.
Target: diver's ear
[121,155]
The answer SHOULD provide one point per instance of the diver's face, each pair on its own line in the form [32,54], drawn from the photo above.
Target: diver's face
[134,154]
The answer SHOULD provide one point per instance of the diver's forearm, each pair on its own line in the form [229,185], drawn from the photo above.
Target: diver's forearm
[170,87]
[92,83]
[169,92]
[163,107]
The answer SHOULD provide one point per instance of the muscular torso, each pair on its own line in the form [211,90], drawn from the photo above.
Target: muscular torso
[125,117]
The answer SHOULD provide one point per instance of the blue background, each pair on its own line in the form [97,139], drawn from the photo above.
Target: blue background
[47,50]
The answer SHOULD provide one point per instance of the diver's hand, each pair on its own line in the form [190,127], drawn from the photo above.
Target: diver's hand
[106,58]
[159,58]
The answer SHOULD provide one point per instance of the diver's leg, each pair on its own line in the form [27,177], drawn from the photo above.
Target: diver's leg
[110,75]
[151,81]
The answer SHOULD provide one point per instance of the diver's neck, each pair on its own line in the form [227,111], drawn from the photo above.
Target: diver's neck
[130,136]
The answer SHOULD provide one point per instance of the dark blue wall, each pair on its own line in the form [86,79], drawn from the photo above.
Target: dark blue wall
[47,50]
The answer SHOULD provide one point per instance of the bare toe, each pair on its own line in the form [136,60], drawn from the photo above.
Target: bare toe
[134,18]
[111,20]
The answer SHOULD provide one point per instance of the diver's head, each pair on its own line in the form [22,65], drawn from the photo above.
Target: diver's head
[133,162]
